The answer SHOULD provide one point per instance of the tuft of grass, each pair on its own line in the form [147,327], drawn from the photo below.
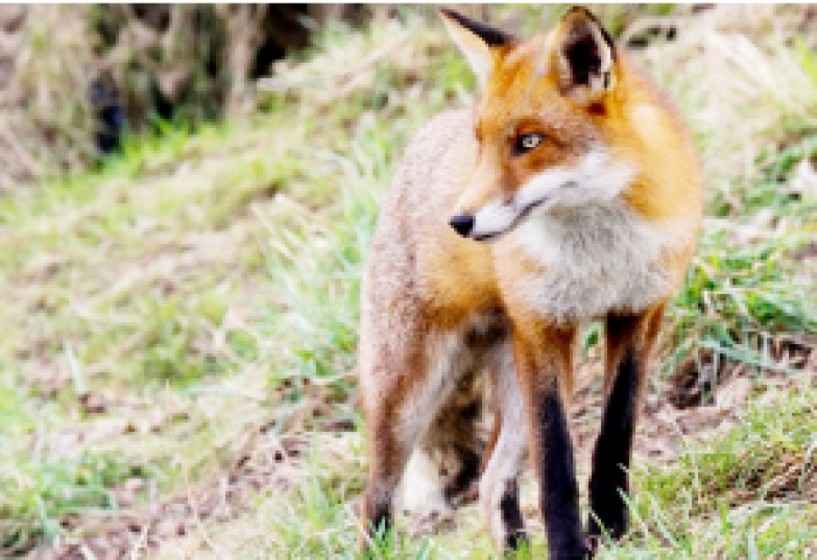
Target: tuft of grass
[50,493]
[768,456]
[748,493]
[739,297]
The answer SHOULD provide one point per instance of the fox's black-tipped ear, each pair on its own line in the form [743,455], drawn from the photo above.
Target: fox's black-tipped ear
[586,56]
[475,39]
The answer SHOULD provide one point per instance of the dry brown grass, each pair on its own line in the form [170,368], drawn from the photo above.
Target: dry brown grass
[45,121]
[198,60]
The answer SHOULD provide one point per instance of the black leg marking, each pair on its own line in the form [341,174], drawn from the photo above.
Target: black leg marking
[559,490]
[611,457]
[378,514]
[515,536]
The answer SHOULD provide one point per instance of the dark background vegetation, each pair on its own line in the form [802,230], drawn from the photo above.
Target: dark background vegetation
[76,78]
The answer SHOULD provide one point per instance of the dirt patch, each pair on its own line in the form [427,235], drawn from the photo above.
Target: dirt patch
[693,384]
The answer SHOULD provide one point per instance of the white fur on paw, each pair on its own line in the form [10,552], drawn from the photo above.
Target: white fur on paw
[430,523]
[423,496]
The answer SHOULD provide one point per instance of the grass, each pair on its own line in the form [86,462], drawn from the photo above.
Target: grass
[55,492]
[749,493]
[150,300]
[186,315]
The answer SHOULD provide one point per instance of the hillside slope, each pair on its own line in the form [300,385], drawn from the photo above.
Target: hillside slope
[176,371]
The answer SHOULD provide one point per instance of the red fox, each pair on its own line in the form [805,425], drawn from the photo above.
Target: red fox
[570,192]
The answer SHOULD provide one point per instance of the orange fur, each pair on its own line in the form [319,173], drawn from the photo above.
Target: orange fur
[591,185]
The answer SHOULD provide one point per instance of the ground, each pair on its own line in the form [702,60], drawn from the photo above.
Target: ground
[176,371]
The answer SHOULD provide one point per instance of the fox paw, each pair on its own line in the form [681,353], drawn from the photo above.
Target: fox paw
[430,522]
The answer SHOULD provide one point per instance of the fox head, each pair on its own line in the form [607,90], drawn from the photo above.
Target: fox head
[542,122]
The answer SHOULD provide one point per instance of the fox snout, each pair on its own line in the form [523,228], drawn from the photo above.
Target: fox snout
[492,220]
[481,213]
[488,222]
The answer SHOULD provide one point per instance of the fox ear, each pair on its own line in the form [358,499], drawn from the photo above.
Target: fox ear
[476,40]
[586,56]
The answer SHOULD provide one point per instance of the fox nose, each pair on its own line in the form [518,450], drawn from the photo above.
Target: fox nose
[462,224]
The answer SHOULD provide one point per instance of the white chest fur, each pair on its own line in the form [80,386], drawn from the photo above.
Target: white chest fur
[596,259]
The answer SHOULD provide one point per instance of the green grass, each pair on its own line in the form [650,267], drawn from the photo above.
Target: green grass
[739,298]
[197,296]
[747,493]
[52,493]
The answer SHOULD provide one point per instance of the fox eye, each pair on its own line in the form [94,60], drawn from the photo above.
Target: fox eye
[527,142]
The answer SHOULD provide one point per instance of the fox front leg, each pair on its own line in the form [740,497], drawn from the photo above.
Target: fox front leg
[629,340]
[543,359]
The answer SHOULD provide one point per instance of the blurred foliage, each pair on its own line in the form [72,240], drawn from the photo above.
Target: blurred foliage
[75,79]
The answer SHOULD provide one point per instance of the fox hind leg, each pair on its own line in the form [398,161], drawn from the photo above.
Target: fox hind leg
[444,468]
[400,405]
[498,487]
